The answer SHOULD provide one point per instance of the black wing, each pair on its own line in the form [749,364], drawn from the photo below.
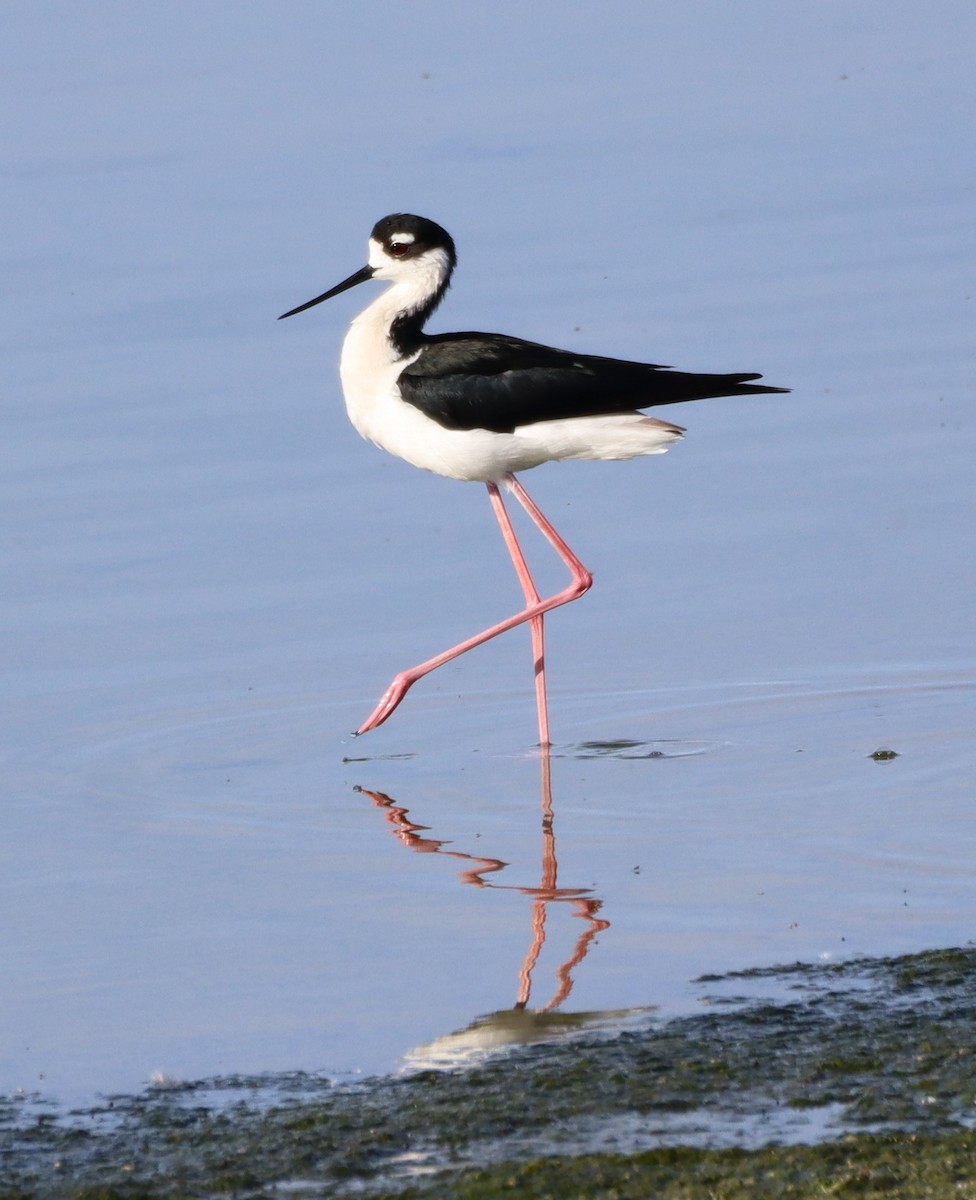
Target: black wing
[494,382]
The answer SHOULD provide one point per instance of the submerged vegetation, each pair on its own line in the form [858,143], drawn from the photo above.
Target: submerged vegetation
[857,1080]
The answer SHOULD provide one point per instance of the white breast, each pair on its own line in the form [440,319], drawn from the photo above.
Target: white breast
[369,368]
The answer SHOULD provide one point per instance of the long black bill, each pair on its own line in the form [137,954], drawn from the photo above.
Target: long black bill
[360,277]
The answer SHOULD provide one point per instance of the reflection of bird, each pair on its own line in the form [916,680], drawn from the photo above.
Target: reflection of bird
[497,1031]
[480,406]
[584,904]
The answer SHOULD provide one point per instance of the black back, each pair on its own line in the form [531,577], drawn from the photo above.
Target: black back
[495,382]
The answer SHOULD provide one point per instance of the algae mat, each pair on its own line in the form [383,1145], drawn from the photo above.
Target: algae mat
[856,1079]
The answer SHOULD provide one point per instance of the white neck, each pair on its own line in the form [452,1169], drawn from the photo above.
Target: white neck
[414,280]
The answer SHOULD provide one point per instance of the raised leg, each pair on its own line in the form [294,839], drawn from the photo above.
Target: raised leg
[579,583]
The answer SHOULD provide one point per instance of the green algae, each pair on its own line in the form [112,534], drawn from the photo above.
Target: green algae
[866,1167]
[871,1060]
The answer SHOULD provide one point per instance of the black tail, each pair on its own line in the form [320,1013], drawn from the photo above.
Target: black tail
[671,387]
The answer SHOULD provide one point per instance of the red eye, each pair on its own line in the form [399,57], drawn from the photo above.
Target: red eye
[398,249]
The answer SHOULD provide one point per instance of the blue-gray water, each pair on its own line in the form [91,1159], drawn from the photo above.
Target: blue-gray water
[208,579]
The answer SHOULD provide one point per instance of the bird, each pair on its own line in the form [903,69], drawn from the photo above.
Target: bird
[483,407]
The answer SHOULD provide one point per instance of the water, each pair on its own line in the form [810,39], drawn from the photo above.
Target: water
[208,579]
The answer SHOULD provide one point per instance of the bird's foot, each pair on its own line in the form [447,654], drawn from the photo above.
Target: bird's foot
[389,702]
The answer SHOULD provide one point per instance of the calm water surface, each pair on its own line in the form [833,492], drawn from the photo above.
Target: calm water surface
[208,579]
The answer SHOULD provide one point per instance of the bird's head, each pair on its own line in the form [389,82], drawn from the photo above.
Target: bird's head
[413,253]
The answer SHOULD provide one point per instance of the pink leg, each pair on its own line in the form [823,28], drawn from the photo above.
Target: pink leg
[580,582]
[537,624]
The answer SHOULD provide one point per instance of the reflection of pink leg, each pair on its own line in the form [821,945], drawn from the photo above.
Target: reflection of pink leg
[546,890]
[580,582]
[586,907]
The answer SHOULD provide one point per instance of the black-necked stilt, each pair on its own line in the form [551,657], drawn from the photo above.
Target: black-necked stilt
[481,406]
